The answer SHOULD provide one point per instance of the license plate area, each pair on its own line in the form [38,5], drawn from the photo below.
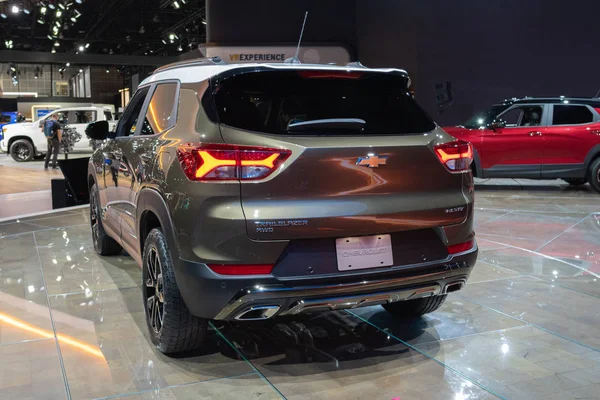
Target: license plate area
[364,252]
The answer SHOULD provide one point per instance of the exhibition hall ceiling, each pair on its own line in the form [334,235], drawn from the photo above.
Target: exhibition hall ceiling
[128,27]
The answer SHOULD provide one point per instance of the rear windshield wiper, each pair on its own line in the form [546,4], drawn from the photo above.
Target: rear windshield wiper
[332,124]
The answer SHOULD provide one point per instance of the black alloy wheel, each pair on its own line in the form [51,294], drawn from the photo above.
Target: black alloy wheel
[594,175]
[171,326]
[154,291]
[103,244]
[21,150]
[95,221]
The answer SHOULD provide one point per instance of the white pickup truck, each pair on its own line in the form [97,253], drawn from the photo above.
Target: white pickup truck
[24,141]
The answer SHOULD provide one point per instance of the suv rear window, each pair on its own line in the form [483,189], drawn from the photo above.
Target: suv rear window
[571,115]
[268,101]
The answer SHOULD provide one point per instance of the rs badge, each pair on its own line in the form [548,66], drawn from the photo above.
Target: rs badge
[372,161]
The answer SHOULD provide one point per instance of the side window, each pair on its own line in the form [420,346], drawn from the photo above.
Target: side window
[63,117]
[162,109]
[128,123]
[523,116]
[84,117]
[108,115]
[571,115]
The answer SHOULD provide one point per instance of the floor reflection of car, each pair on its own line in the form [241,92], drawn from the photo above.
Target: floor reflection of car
[249,192]
[537,138]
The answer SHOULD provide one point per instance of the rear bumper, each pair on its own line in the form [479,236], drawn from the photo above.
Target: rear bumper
[213,296]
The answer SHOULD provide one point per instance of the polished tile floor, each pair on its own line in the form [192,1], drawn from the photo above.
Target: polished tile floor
[525,327]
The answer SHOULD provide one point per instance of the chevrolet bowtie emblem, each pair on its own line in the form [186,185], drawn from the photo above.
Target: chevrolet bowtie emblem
[372,161]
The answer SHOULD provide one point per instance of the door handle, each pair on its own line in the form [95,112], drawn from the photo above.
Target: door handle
[535,133]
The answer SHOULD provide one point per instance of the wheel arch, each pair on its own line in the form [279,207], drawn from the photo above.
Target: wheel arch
[19,137]
[153,212]
[592,155]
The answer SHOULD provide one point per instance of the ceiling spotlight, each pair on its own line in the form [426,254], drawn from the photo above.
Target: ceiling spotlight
[58,13]
[35,76]
[58,23]
[57,43]
[68,64]
[26,10]
[87,45]
[179,48]
[3,15]
[171,36]
[51,6]
[80,70]
[81,48]
[43,9]
[49,37]
[204,21]
[176,4]
[142,30]
[78,1]
[15,9]
[61,5]
[107,70]
[53,51]
[40,21]
[8,44]
[164,41]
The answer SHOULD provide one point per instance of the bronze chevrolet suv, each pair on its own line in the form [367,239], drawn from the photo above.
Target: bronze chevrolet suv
[253,191]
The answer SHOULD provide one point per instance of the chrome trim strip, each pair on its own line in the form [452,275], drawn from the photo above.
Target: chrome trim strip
[264,293]
[341,303]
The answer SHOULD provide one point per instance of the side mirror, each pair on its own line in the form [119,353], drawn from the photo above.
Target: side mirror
[41,124]
[97,130]
[497,124]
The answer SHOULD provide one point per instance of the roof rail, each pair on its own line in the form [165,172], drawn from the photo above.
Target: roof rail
[355,64]
[194,62]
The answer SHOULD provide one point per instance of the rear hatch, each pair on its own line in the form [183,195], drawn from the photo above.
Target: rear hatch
[362,159]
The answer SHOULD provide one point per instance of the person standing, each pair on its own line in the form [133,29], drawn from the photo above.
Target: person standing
[53,132]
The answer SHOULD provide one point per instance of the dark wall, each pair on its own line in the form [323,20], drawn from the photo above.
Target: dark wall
[488,50]
[278,21]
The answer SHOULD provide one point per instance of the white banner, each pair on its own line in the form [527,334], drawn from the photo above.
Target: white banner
[278,54]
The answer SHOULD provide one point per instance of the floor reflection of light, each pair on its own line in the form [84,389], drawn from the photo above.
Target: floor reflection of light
[48,335]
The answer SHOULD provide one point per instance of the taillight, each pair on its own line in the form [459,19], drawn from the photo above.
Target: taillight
[229,162]
[461,247]
[241,269]
[456,156]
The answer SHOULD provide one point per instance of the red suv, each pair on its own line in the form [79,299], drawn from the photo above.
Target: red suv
[537,138]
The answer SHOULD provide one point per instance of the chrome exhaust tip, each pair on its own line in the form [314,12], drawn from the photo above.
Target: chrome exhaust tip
[257,313]
[454,286]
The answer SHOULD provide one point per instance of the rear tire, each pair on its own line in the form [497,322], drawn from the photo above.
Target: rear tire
[575,181]
[172,328]
[103,244]
[594,175]
[22,150]
[415,308]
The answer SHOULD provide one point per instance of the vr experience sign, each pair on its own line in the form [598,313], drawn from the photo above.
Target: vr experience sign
[248,57]
[278,54]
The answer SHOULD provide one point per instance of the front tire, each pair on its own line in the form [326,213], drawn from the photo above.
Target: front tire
[172,328]
[103,244]
[22,150]
[415,308]
[594,175]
